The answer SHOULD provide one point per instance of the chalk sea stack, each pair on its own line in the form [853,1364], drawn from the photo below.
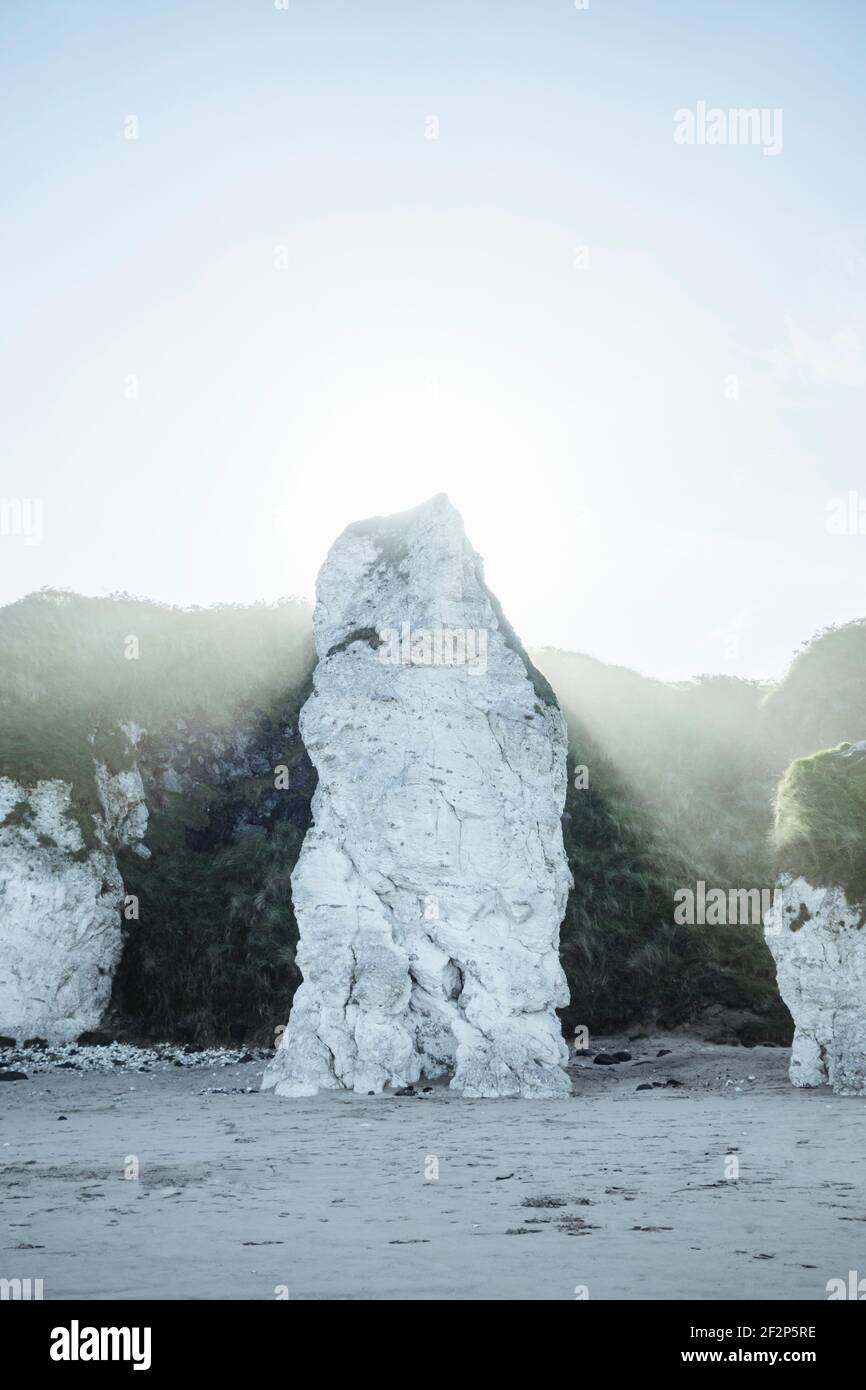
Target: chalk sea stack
[817,931]
[432,882]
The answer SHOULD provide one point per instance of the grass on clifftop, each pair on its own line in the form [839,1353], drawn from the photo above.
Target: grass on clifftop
[820,829]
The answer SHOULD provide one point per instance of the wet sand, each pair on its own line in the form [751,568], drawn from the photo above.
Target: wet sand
[623,1192]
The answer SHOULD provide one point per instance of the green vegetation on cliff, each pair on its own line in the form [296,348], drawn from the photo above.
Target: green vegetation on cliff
[205,703]
[822,700]
[682,780]
[820,829]
[624,958]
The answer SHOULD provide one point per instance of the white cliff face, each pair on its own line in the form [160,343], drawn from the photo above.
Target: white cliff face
[818,941]
[431,886]
[60,901]
[124,809]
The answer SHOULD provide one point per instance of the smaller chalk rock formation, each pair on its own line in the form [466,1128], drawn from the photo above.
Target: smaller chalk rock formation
[431,886]
[817,928]
[61,895]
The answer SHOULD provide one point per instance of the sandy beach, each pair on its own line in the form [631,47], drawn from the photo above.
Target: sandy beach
[241,1194]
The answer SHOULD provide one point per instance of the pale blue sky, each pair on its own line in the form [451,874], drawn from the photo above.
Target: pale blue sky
[431,329]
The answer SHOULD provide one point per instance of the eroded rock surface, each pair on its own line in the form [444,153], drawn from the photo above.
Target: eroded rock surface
[60,902]
[819,944]
[431,886]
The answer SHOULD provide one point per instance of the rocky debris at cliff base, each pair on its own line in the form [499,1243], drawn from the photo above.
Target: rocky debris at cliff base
[686,1059]
[667,1063]
[124,1057]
